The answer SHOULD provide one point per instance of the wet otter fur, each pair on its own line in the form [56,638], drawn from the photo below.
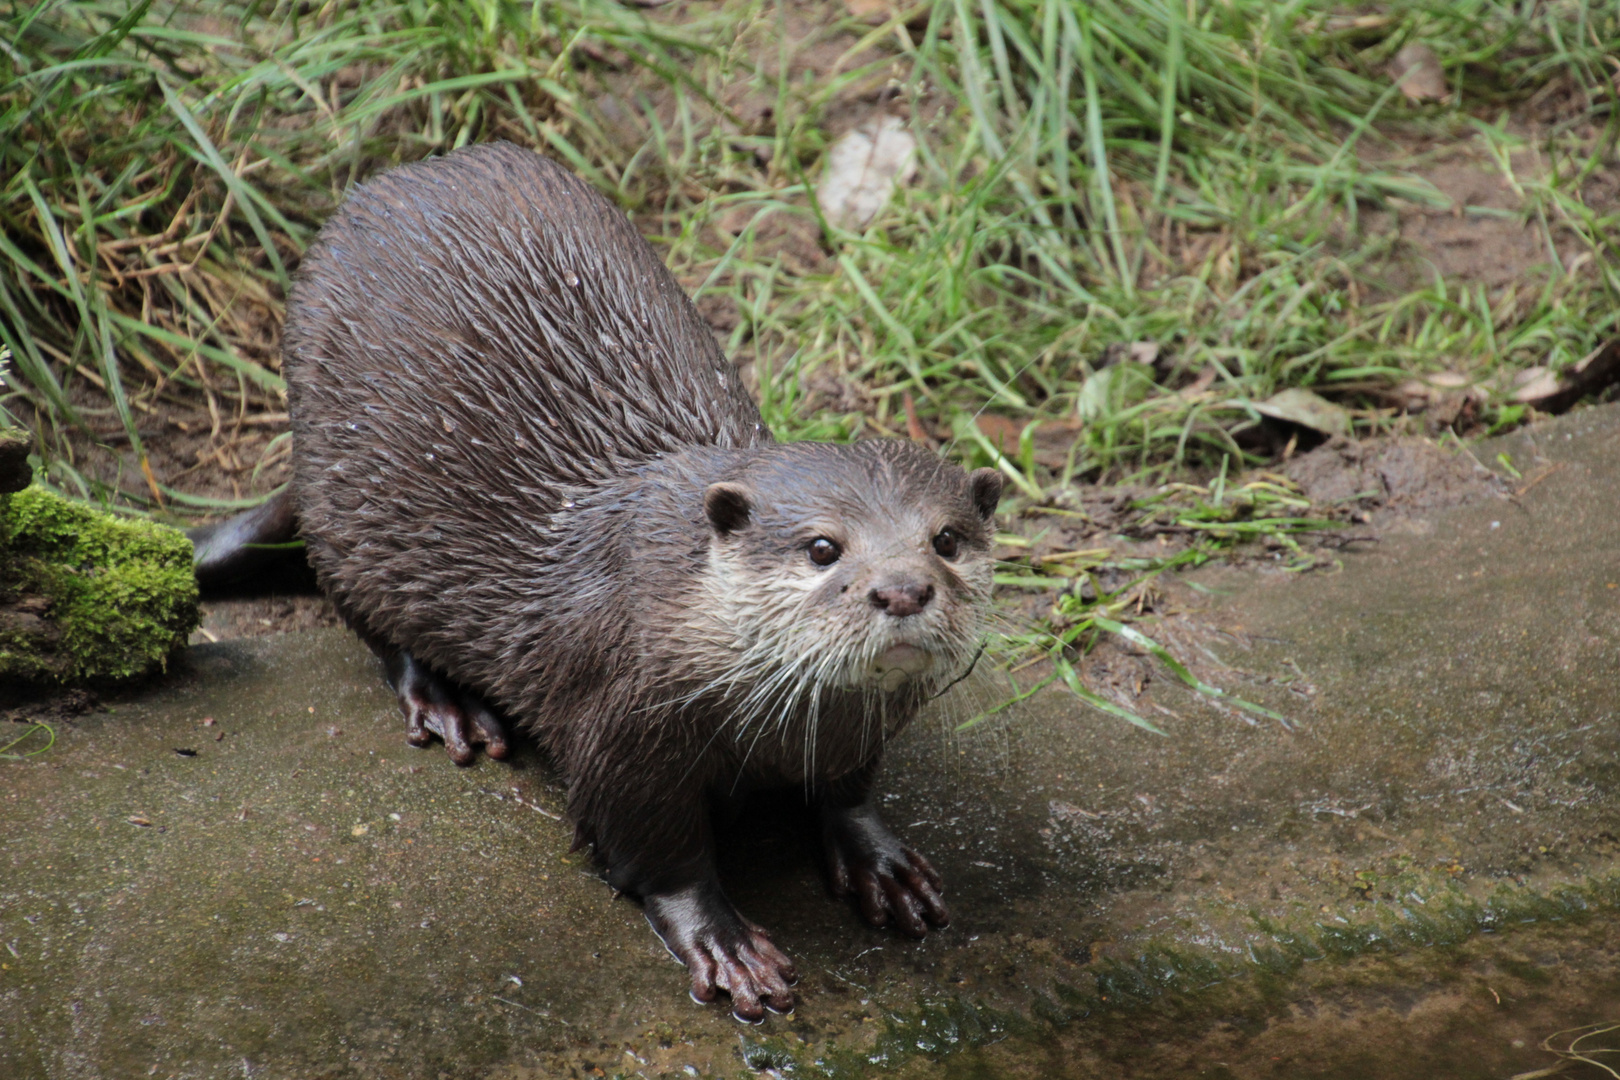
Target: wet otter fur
[528,477]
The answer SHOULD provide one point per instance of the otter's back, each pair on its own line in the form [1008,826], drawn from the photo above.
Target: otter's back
[469,337]
[495,287]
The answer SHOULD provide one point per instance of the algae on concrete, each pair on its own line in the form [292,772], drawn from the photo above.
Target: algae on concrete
[86,596]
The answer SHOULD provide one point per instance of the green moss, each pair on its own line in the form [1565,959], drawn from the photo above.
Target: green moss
[87,596]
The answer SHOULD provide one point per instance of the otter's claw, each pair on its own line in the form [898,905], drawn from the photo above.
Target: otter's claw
[723,951]
[435,706]
[893,885]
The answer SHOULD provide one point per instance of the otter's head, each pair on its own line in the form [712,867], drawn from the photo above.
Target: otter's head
[860,567]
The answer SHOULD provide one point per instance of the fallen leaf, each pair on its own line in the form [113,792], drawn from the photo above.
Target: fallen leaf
[863,168]
[1298,406]
[914,428]
[1418,72]
[1423,392]
[136,819]
[1051,438]
[1534,384]
[1002,431]
[1203,382]
[1555,392]
[1141,352]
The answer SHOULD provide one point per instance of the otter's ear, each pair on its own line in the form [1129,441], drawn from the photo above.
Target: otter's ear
[985,487]
[727,506]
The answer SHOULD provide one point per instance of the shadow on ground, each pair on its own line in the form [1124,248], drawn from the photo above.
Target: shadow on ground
[245,872]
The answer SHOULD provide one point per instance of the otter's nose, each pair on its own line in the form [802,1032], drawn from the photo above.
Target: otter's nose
[902,600]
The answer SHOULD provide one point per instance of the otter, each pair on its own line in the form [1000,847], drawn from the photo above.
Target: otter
[528,477]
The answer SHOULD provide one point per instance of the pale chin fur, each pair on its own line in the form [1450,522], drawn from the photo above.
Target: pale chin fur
[898,665]
[782,652]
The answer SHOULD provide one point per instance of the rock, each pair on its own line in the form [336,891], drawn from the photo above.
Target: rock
[86,596]
[1418,72]
[15,472]
[863,169]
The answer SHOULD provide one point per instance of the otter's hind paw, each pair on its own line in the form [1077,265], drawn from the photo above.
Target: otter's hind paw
[723,951]
[435,706]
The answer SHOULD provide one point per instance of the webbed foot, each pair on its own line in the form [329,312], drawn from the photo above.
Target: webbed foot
[723,951]
[893,885]
[435,706]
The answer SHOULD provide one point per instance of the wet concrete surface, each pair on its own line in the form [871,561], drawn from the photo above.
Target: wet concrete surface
[245,872]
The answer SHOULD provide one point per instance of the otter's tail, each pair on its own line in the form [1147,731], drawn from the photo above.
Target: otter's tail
[258,545]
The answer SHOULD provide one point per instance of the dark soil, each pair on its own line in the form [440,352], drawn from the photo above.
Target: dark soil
[1392,477]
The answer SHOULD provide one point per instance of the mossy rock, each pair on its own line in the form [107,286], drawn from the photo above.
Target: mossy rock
[15,472]
[86,596]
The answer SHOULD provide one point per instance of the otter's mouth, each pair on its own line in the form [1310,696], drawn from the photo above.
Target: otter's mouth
[900,663]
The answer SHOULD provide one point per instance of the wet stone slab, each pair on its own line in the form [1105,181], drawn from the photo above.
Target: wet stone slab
[1415,877]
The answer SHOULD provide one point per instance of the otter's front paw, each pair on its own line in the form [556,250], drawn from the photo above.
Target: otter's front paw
[435,706]
[893,885]
[723,951]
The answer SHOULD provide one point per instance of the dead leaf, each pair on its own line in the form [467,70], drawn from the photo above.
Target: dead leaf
[1423,392]
[1052,438]
[1002,431]
[863,168]
[1534,384]
[1141,352]
[1203,382]
[1555,392]
[914,428]
[136,819]
[1298,406]
[1418,72]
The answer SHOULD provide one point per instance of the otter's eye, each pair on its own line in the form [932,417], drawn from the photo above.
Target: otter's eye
[945,542]
[824,552]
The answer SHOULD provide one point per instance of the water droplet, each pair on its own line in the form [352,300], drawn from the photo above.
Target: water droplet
[573,280]
[430,457]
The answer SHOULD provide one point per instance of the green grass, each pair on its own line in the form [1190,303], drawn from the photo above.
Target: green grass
[1096,591]
[1090,144]
[166,163]
[1197,174]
